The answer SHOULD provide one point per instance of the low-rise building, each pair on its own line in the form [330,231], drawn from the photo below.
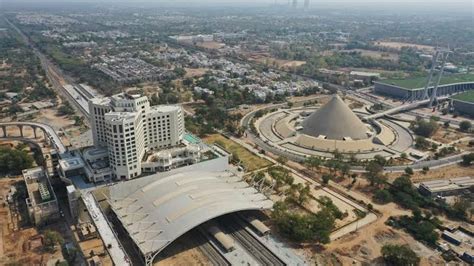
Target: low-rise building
[42,203]
[446,187]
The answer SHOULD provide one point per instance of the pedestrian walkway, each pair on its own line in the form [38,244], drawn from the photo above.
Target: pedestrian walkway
[108,237]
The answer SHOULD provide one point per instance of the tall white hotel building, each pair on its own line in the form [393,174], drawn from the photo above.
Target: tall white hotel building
[129,127]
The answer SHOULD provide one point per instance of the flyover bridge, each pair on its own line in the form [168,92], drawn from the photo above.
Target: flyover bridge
[50,134]
[402,108]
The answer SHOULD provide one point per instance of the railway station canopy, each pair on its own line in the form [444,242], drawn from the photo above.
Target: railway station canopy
[336,121]
[157,209]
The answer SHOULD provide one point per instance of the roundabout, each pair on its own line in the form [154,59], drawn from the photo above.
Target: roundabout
[332,128]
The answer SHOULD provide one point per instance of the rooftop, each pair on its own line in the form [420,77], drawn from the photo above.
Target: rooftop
[71,163]
[448,184]
[420,82]
[157,209]
[467,96]
[38,186]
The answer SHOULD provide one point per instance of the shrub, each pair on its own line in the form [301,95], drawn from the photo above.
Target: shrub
[399,255]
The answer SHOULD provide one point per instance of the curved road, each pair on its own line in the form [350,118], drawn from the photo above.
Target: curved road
[417,166]
[53,136]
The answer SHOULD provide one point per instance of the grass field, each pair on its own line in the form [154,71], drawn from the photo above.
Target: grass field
[420,82]
[249,160]
[466,96]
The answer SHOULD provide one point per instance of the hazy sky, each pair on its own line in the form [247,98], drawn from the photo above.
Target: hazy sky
[426,5]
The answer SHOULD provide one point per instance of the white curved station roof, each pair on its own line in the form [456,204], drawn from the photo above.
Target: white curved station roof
[157,210]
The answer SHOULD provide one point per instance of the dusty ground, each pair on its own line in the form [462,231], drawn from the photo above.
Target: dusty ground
[24,245]
[375,54]
[448,135]
[195,72]
[183,251]
[280,63]
[210,45]
[399,45]
[365,244]
[450,171]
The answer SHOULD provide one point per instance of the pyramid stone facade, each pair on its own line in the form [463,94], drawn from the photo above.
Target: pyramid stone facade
[335,120]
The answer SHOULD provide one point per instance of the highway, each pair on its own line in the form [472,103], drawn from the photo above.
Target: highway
[57,78]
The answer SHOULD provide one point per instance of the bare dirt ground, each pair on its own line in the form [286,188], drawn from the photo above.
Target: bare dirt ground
[365,244]
[21,244]
[183,251]
[399,45]
[50,117]
[448,135]
[447,172]
[280,63]
[375,54]
[210,45]
[195,72]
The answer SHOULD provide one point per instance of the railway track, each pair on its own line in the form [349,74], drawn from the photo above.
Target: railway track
[254,247]
[216,258]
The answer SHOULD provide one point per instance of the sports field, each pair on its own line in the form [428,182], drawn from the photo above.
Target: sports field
[466,96]
[420,82]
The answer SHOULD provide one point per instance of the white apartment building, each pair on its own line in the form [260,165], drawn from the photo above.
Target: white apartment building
[129,127]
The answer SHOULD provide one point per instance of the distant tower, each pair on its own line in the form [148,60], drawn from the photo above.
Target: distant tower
[295,3]
[306,3]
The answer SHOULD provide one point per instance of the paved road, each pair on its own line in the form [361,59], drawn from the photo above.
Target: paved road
[417,166]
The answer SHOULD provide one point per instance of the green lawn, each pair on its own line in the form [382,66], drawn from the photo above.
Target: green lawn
[249,160]
[466,96]
[420,82]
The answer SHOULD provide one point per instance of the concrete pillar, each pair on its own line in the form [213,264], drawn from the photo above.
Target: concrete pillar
[46,137]
[34,132]
[21,130]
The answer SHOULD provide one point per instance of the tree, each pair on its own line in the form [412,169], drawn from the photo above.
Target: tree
[461,207]
[465,126]
[326,178]
[65,109]
[424,128]
[374,173]
[467,159]
[313,162]
[51,239]
[14,161]
[303,227]
[399,255]
[421,143]
[382,196]
[282,160]
[409,171]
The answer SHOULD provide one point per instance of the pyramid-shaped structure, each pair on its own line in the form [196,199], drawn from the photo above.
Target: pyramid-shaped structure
[335,120]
